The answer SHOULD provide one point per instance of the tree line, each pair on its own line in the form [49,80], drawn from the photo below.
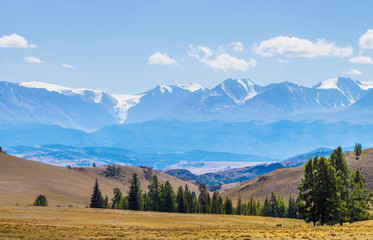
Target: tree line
[160,197]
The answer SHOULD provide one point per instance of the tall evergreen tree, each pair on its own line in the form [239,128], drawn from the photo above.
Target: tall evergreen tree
[154,195]
[292,208]
[215,203]
[134,194]
[116,199]
[358,150]
[167,198]
[97,200]
[338,161]
[306,207]
[204,199]
[228,207]
[181,201]
[239,210]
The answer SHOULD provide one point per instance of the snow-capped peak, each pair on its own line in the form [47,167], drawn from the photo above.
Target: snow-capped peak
[97,95]
[163,88]
[192,87]
[331,83]
[365,85]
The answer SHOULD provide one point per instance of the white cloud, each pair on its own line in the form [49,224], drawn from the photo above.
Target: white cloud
[67,65]
[220,61]
[299,47]
[161,59]
[353,72]
[235,46]
[32,59]
[361,59]
[14,41]
[281,60]
[366,40]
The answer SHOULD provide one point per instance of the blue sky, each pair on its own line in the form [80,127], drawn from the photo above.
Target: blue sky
[129,47]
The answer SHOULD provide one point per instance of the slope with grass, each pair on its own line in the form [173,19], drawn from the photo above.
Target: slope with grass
[284,181]
[22,180]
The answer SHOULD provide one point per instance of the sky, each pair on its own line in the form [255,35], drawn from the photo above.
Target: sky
[128,47]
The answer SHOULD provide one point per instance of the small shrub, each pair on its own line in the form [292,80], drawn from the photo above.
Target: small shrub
[41,200]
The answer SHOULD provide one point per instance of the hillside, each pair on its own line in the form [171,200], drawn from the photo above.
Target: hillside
[22,180]
[284,181]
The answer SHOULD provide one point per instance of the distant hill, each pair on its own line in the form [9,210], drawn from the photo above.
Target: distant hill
[203,161]
[22,180]
[284,181]
[226,176]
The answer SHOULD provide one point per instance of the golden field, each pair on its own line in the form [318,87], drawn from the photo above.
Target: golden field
[83,223]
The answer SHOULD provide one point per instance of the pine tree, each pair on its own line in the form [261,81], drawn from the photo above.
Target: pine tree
[94,164]
[228,207]
[167,198]
[266,210]
[97,200]
[106,202]
[239,206]
[204,199]
[117,197]
[360,200]
[181,201]
[358,150]
[338,161]
[189,199]
[215,203]
[41,201]
[154,197]
[306,207]
[134,194]
[291,209]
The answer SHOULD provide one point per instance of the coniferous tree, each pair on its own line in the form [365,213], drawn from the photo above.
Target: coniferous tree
[204,199]
[134,194]
[94,164]
[97,200]
[327,199]
[146,202]
[106,202]
[306,207]
[292,208]
[167,198]
[221,205]
[116,199]
[228,207]
[360,198]
[189,199]
[239,206]
[358,150]
[41,201]
[266,210]
[181,201]
[154,193]
[215,203]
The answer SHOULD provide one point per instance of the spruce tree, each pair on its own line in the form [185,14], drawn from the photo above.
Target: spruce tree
[204,199]
[239,206]
[134,194]
[228,207]
[215,203]
[97,200]
[181,201]
[167,198]
[116,199]
[358,150]
[306,207]
[154,195]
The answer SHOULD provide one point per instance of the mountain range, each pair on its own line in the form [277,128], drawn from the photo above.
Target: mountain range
[234,100]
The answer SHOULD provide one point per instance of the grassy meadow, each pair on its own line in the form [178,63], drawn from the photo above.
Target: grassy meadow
[82,223]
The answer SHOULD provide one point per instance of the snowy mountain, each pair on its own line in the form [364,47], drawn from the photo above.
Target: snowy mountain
[85,109]
[233,100]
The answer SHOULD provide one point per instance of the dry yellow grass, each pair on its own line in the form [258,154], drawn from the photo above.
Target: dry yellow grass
[81,223]
[284,181]
[22,180]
